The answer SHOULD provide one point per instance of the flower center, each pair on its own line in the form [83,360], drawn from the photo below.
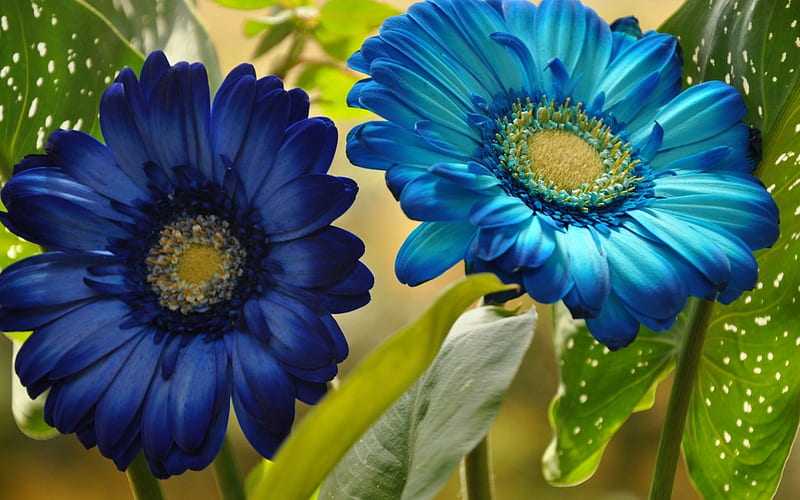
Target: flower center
[195,263]
[557,153]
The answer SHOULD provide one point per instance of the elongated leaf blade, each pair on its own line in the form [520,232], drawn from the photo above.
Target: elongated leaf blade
[330,429]
[412,450]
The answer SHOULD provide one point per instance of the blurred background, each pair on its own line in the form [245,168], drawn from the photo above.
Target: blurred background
[61,469]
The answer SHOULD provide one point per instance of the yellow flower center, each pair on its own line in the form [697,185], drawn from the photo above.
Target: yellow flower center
[199,263]
[564,158]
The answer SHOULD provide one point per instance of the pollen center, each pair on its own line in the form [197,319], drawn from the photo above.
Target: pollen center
[195,263]
[564,158]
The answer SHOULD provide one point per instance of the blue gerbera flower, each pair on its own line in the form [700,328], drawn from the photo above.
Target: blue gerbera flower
[544,145]
[193,262]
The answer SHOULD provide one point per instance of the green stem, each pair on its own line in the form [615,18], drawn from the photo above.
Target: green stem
[476,473]
[226,471]
[688,360]
[143,485]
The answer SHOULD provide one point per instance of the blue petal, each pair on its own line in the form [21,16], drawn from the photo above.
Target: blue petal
[89,162]
[431,249]
[119,405]
[642,279]
[350,293]
[29,282]
[157,438]
[318,260]
[698,113]
[261,385]
[535,243]
[305,205]
[264,440]
[308,148]
[499,211]
[614,327]
[549,282]
[230,118]
[73,399]
[652,54]
[736,138]
[264,138]
[193,392]
[429,197]
[492,242]
[43,351]
[121,132]
[588,265]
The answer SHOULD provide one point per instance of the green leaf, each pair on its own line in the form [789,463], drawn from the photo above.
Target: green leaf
[746,402]
[598,391]
[274,35]
[344,24]
[328,86]
[29,413]
[412,450]
[171,26]
[56,59]
[330,429]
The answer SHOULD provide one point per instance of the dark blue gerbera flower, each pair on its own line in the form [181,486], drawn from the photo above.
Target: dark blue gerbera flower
[192,262]
[544,145]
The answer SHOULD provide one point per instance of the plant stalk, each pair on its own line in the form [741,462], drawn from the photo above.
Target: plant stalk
[688,360]
[143,485]
[476,473]
[226,472]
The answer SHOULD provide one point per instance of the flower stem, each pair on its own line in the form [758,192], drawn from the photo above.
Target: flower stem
[688,360]
[226,471]
[143,485]
[476,473]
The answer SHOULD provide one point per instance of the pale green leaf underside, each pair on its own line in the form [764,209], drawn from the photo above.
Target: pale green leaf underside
[331,428]
[412,450]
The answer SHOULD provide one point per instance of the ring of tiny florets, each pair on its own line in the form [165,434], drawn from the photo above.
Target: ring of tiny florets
[621,184]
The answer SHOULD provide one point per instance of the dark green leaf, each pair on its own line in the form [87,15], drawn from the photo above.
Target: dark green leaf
[331,428]
[412,450]
[599,390]
[274,35]
[344,24]
[746,402]
[56,59]
[170,26]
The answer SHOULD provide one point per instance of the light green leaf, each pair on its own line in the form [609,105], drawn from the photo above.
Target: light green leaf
[56,59]
[746,403]
[171,26]
[598,391]
[328,86]
[28,413]
[412,450]
[344,24]
[331,428]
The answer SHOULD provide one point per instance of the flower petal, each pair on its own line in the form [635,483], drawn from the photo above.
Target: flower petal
[431,249]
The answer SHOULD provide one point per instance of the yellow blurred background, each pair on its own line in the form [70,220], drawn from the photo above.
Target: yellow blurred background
[61,469]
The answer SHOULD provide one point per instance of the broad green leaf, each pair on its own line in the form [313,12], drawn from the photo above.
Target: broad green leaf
[598,391]
[28,413]
[344,24]
[171,26]
[330,429]
[746,403]
[412,450]
[56,59]
[329,86]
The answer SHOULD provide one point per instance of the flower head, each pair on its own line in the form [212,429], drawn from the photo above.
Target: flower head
[543,145]
[193,262]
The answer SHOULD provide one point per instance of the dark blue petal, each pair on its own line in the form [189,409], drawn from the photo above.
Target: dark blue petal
[230,118]
[119,406]
[318,260]
[535,243]
[89,162]
[431,249]
[549,282]
[157,440]
[28,283]
[43,350]
[121,133]
[589,268]
[305,205]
